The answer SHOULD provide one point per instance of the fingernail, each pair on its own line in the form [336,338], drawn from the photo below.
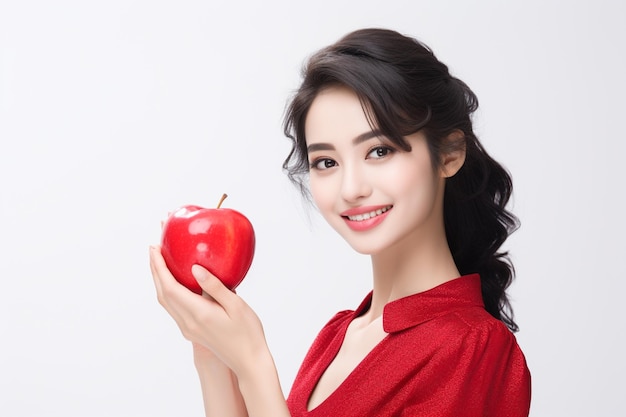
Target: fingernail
[198,272]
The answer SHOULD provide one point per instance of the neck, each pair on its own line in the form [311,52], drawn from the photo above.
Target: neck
[410,267]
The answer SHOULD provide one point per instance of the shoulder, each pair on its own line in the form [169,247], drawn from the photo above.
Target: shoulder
[482,329]
[477,357]
[337,323]
[470,321]
[489,357]
[473,346]
[475,331]
[334,327]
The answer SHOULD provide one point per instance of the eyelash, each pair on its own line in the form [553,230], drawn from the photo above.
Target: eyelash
[314,164]
[389,150]
[379,148]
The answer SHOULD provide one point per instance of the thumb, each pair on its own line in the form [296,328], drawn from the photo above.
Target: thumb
[211,285]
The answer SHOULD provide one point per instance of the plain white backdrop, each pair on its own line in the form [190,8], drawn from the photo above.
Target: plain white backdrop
[113,113]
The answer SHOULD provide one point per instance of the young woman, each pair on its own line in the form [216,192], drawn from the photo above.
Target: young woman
[383,141]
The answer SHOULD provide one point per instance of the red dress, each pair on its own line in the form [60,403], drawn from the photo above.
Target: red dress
[444,355]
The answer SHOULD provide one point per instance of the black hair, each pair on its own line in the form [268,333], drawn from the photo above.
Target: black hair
[403,89]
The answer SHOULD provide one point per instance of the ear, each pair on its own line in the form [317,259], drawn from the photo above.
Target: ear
[453,156]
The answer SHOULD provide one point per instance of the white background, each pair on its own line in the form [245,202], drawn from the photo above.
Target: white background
[113,113]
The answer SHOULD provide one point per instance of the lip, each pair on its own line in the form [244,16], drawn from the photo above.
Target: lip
[365,224]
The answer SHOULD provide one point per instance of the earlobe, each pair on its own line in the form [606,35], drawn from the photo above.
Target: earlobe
[453,157]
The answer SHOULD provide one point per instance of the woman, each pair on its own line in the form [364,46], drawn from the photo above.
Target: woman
[383,141]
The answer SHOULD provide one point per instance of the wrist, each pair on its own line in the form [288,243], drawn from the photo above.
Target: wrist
[205,361]
[220,388]
[260,387]
[257,368]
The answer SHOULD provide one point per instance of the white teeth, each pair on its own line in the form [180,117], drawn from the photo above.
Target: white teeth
[366,216]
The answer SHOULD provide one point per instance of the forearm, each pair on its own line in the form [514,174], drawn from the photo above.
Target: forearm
[260,388]
[220,389]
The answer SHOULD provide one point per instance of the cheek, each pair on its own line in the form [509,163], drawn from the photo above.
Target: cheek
[417,181]
[320,193]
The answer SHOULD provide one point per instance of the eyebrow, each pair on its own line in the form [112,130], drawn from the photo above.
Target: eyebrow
[358,139]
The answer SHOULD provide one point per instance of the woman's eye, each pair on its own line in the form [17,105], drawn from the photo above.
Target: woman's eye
[323,163]
[379,152]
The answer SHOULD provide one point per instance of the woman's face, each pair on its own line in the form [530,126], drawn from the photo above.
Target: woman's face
[372,193]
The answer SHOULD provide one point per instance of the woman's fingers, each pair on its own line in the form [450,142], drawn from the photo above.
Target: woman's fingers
[179,302]
[213,287]
[163,279]
[154,253]
[219,320]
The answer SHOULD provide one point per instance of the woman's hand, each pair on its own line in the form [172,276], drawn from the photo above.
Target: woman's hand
[221,324]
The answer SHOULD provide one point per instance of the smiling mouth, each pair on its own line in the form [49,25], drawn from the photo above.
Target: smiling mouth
[367,216]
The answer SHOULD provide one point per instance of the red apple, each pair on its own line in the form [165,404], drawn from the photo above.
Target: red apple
[220,239]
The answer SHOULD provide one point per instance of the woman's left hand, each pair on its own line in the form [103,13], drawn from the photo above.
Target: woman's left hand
[222,322]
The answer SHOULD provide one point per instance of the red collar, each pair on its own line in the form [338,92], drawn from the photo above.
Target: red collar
[407,312]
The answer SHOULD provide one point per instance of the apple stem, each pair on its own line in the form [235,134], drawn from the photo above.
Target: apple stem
[222,200]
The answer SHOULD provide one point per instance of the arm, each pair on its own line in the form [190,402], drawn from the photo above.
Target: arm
[230,347]
[261,389]
[219,385]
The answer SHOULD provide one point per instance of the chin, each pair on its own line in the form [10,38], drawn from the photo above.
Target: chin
[365,248]
[362,251]
[361,242]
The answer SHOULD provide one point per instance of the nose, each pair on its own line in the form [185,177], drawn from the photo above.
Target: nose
[354,184]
